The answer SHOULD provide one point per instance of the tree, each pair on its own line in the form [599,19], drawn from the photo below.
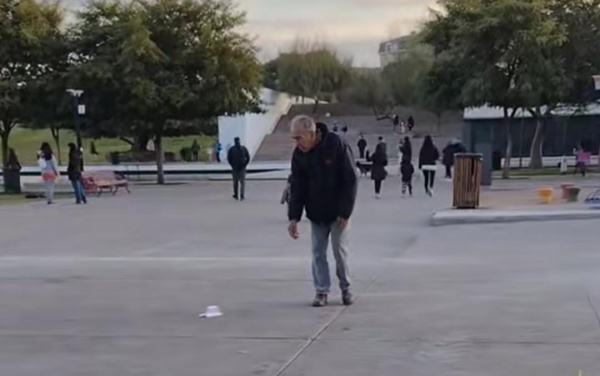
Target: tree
[369,90]
[312,71]
[28,31]
[490,45]
[49,106]
[155,66]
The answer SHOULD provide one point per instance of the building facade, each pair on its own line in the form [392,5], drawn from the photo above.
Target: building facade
[391,50]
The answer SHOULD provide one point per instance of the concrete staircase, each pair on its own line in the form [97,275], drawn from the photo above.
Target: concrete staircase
[279,145]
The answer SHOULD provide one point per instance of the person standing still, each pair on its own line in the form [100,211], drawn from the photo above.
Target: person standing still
[74,173]
[362,146]
[427,163]
[324,184]
[195,151]
[379,161]
[238,158]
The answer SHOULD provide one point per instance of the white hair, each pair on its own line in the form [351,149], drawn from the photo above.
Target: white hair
[302,124]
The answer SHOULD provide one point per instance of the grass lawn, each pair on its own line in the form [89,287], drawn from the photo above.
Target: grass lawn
[6,199]
[26,143]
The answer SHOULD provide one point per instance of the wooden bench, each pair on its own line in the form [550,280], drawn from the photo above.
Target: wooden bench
[99,181]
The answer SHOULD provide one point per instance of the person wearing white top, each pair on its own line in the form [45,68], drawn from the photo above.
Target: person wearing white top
[48,169]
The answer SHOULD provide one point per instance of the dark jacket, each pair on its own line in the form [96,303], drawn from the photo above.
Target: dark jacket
[362,144]
[428,156]
[406,150]
[406,171]
[449,152]
[74,168]
[238,157]
[379,160]
[324,181]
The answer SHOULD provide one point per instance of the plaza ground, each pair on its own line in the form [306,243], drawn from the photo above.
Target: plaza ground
[115,288]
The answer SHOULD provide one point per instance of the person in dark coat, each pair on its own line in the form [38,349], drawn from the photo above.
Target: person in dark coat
[379,161]
[362,146]
[411,123]
[324,185]
[454,147]
[406,149]
[74,174]
[428,157]
[238,158]
[406,172]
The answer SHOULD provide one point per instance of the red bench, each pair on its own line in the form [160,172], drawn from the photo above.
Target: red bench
[99,181]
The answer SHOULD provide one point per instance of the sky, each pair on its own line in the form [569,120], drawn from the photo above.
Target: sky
[353,27]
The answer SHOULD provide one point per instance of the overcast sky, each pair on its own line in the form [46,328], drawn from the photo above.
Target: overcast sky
[354,27]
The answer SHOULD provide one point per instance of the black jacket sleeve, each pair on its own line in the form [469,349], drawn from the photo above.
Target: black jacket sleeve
[246,157]
[298,190]
[348,181]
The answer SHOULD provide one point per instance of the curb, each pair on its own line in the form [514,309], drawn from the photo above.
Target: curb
[463,217]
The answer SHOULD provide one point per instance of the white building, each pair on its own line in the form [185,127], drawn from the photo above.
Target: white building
[390,50]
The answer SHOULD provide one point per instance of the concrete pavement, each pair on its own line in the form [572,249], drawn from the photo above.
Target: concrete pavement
[115,288]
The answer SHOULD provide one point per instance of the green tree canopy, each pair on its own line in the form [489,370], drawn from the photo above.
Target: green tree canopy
[154,66]
[30,37]
[494,46]
[312,71]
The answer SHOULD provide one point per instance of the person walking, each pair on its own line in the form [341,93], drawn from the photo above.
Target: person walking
[406,172]
[362,146]
[411,123]
[406,149]
[454,147]
[238,158]
[74,174]
[379,161]
[49,170]
[428,157]
[195,151]
[324,184]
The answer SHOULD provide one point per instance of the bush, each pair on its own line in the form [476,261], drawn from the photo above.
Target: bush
[186,154]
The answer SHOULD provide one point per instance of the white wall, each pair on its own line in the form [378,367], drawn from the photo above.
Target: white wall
[252,128]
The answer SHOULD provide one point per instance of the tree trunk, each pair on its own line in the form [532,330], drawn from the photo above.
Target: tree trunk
[56,136]
[536,152]
[316,106]
[160,172]
[508,154]
[4,136]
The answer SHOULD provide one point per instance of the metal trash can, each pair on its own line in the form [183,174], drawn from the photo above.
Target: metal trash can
[12,181]
[467,180]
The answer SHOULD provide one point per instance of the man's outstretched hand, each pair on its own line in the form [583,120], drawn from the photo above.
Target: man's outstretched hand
[293,230]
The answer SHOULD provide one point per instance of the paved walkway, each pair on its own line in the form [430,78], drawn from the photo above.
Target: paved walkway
[115,288]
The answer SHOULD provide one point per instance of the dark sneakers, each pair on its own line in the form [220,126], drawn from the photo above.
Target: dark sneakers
[347,298]
[320,300]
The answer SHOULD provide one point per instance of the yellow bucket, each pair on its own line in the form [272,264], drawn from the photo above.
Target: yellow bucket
[546,194]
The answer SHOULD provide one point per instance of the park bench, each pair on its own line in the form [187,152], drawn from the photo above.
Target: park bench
[99,181]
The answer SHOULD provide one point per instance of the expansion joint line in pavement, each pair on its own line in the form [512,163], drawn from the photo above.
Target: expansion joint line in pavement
[313,338]
[594,308]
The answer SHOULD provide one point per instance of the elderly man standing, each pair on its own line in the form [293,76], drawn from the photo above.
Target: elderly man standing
[324,183]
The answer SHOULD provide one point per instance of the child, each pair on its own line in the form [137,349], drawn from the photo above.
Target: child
[406,171]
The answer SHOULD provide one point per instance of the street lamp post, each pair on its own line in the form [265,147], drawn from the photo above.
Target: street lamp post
[79,111]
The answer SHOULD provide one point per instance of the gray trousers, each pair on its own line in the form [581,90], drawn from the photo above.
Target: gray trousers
[340,240]
[239,183]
